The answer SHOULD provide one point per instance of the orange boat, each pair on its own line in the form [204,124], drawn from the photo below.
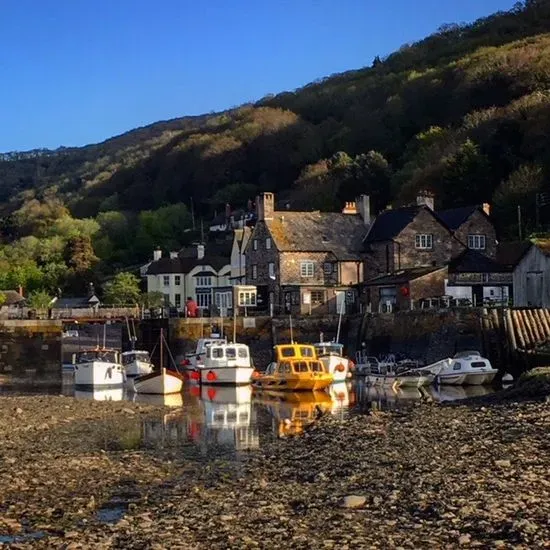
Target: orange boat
[296,368]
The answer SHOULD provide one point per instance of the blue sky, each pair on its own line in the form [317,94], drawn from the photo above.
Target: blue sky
[80,71]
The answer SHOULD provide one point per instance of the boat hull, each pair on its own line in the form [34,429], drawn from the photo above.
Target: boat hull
[480,378]
[451,379]
[419,381]
[293,384]
[160,383]
[98,374]
[337,366]
[229,376]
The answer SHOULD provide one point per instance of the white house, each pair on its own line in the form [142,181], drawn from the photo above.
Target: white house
[193,272]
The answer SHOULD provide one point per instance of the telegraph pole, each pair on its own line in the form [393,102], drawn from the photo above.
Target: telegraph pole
[520,232]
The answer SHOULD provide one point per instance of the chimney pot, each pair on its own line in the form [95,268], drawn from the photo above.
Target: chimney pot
[173,255]
[363,208]
[426,198]
[487,208]
[200,251]
[157,254]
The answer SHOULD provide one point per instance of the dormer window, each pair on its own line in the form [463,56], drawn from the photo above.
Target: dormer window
[423,241]
[476,242]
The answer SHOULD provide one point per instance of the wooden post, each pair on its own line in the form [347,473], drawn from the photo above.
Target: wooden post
[529,335]
[544,323]
[519,329]
[546,315]
[509,324]
[535,325]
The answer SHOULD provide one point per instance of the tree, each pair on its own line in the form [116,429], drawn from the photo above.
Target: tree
[2,298]
[152,299]
[122,290]
[79,254]
[39,299]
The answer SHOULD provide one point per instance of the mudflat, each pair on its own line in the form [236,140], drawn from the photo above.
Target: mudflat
[473,474]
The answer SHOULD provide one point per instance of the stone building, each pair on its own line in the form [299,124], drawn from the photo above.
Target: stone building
[306,262]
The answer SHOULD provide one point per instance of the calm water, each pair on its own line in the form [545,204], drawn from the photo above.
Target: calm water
[211,421]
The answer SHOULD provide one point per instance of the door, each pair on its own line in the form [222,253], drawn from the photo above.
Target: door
[533,290]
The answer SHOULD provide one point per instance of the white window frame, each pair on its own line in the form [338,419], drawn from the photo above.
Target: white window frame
[203,281]
[204,300]
[254,244]
[246,298]
[271,269]
[166,280]
[424,241]
[177,280]
[268,243]
[307,269]
[477,242]
[254,274]
[177,300]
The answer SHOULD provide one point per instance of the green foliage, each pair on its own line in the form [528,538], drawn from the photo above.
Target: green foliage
[2,299]
[39,300]
[122,290]
[151,299]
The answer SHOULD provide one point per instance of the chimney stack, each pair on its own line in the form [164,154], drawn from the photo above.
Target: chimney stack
[173,255]
[157,254]
[21,291]
[200,251]
[487,208]
[268,205]
[363,208]
[350,208]
[426,198]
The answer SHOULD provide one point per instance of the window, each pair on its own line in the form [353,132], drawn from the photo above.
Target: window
[254,271]
[271,269]
[247,298]
[476,242]
[204,281]
[306,352]
[457,366]
[166,280]
[255,244]
[287,352]
[243,354]
[268,243]
[300,366]
[231,353]
[177,280]
[177,300]
[204,300]
[424,241]
[317,297]
[316,366]
[307,269]
[328,268]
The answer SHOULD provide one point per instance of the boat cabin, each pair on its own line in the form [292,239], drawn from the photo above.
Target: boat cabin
[284,352]
[131,356]
[329,348]
[100,355]
[204,343]
[231,355]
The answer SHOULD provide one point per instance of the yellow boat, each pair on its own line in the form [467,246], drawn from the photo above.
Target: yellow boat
[296,368]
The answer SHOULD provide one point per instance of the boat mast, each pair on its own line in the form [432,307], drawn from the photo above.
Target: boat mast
[234,324]
[104,334]
[161,349]
[291,334]
[340,321]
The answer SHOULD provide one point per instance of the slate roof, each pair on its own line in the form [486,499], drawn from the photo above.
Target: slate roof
[76,302]
[453,218]
[471,261]
[216,255]
[510,254]
[402,276]
[390,223]
[13,298]
[334,232]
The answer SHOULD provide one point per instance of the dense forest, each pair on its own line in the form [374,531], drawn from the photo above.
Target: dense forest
[464,113]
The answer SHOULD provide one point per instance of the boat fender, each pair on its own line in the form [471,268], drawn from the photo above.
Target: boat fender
[211,376]
[340,368]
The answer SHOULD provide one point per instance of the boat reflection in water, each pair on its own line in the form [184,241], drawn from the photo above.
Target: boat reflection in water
[159,400]
[386,397]
[340,397]
[292,412]
[453,393]
[113,394]
[212,419]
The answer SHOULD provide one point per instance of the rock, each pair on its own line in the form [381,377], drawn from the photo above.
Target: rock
[128,411]
[18,410]
[354,501]
[503,463]
[464,539]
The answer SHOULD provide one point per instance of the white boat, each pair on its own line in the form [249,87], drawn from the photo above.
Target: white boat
[136,363]
[159,382]
[173,400]
[228,364]
[196,359]
[98,368]
[331,354]
[389,373]
[465,368]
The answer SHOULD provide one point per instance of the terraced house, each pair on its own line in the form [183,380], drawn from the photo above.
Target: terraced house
[305,262]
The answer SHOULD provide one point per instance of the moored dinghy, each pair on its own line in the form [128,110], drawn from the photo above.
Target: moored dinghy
[466,367]
[98,368]
[162,381]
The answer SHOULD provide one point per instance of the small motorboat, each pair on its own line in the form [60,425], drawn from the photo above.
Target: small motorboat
[331,354]
[98,368]
[296,368]
[465,368]
[162,381]
[224,363]
[196,358]
[136,363]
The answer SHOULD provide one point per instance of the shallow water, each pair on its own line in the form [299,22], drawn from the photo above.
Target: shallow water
[213,421]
